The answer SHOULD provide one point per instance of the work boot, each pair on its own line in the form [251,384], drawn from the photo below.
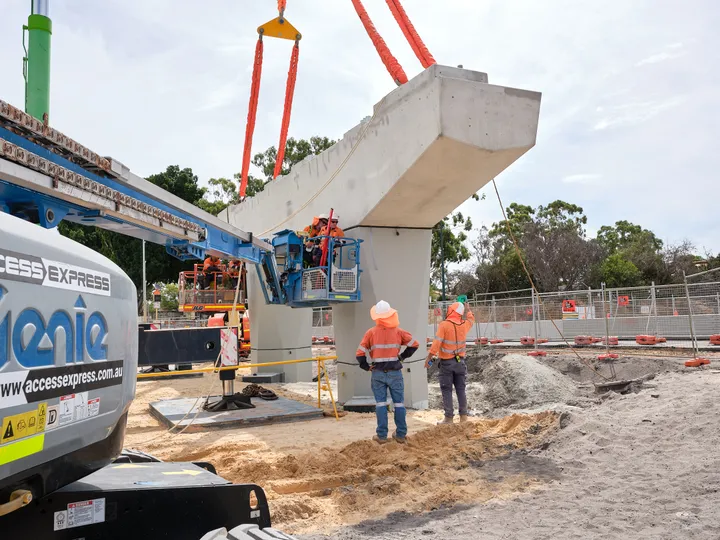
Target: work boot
[445,420]
[464,418]
[379,440]
[401,440]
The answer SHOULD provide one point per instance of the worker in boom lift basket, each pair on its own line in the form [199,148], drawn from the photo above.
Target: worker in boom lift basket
[383,343]
[332,229]
[449,346]
[211,266]
[311,246]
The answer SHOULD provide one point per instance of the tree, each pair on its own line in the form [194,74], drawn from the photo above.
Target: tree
[224,192]
[296,150]
[616,271]
[169,297]
[637,245]
[556,249]
[126,252]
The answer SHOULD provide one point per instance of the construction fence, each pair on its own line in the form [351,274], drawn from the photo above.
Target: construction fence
[663,311]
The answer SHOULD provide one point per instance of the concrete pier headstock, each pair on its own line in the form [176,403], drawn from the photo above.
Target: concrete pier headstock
[429,145]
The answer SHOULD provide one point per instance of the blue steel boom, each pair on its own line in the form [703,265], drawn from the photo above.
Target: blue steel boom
[46,177]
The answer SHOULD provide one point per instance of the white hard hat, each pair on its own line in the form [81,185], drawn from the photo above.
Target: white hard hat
[323,216]
[335,217]
[381,310]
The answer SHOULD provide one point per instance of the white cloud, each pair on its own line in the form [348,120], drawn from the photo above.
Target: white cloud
[584,178]
[659,57]
[634,113]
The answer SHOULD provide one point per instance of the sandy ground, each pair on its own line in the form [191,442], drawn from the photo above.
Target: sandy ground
[630,465]
[643,466]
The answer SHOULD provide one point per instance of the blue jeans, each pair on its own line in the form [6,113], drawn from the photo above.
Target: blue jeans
[381,382]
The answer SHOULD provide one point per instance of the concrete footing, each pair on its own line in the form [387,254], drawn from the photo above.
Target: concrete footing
[173,413]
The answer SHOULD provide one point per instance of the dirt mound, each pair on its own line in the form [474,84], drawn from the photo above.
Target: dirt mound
[478,358]
[439,466]
[520,381]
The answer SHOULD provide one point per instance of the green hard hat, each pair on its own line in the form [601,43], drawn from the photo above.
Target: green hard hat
[462,298]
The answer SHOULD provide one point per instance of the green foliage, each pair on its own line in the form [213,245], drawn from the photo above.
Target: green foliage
[616,271]
[295,151]
[169,297]
[125,251]
[224,192]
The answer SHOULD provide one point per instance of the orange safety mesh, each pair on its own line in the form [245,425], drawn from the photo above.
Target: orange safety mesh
[391,63]
[413,38]
[252,113]
[289,92]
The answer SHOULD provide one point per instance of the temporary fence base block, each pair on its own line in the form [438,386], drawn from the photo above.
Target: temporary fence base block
[170,412]
[363,404]
[267,378]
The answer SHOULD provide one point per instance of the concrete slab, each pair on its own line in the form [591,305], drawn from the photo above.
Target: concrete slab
[267,378]
[170,412]
[362,404]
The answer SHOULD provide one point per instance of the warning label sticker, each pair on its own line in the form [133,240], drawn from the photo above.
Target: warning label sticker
[79,514]
[24,424]
[93,407]
[52,417]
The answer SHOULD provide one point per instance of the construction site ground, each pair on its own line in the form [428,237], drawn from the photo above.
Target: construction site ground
[545,457]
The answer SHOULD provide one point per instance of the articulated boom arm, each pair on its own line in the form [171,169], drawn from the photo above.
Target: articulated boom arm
[46,176]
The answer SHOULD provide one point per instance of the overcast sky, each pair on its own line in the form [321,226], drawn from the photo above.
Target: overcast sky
[629,126]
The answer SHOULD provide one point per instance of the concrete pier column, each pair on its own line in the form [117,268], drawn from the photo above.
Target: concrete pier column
[396,268]
[279,333]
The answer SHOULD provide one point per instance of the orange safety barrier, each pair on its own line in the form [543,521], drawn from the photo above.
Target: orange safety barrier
[496,341]
[481,341]
[537,353]
[643,339]
[527,340]
[608,356]
[542,340]
[418,47]
[583,340]
[660,340]
[612,340]
[697,362]
[393,66]
[715,339]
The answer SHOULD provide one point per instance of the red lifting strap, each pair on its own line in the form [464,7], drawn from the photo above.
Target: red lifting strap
[391,63]
[421,51]
[281,6]
[252,113]
[289,92]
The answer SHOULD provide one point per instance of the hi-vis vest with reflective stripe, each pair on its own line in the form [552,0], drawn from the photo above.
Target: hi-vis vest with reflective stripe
[450,339]
[382,344]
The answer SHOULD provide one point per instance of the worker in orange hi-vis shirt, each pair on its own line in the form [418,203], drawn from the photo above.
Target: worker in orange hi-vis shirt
[449,346]
[382,344]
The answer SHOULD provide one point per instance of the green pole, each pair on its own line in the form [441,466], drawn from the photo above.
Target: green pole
[37,62]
